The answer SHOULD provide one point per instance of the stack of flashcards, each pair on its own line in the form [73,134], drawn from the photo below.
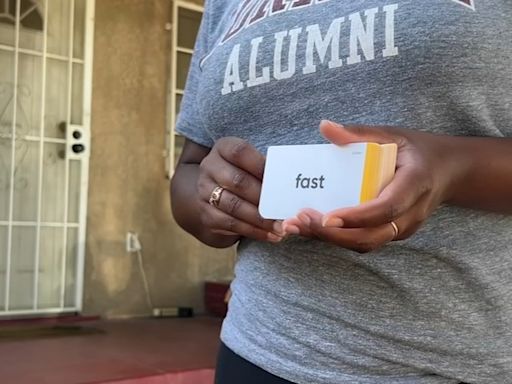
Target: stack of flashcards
[324,177]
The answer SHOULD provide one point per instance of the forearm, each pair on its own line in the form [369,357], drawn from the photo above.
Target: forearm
[486,180]
[186,207]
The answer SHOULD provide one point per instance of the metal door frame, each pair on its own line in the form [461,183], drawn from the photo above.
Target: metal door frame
[87,63]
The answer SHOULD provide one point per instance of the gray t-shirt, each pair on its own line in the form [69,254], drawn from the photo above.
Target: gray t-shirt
[436,308]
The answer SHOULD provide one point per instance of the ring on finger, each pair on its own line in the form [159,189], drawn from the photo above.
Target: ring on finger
[396,231]
[215,196]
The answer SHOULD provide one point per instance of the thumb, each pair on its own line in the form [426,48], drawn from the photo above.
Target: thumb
[345,134]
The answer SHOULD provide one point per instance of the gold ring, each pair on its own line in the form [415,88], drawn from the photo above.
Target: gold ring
[395,229]
[215,196]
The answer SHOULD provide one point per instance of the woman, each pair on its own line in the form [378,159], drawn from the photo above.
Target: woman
[413,287]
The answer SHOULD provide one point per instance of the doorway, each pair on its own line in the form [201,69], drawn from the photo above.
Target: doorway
[45,98]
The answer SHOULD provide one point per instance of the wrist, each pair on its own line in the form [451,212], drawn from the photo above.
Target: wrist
[459,159]
[462,162]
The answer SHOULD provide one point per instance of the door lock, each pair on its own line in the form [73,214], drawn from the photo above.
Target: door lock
[78,148]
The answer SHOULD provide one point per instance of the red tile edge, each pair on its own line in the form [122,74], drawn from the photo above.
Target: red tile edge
[51,320]
[200,376]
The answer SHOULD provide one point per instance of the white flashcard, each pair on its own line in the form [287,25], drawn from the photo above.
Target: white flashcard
[320,176]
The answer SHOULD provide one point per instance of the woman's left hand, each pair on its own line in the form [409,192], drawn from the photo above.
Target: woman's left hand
[428,167]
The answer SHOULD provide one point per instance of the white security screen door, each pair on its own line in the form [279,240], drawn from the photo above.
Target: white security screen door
[45,91]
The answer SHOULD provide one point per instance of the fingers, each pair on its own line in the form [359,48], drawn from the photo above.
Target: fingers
[367,239]
[294,226]
[237,167]
[233,178]
[240,182]
[234,215]
[237,207]
[222,223]
[361,240]
[407,201]
[346,134]
[393,202]
[225,233]
[241,154]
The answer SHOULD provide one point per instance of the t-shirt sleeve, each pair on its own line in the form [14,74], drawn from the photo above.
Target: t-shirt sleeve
[189,122]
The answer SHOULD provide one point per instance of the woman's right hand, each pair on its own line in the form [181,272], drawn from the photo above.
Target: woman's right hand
[237,167]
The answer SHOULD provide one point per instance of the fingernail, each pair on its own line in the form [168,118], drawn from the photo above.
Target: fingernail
[291,229]
[273,238]
[331,123]
[304,218]
[278,227]
[333,222]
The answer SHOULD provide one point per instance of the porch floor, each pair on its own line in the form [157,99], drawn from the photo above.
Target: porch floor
[139,351]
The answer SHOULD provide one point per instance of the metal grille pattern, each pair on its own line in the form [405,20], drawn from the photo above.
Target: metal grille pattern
[45,92]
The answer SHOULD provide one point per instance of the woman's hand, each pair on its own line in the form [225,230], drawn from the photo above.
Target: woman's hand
[237,167]
[428,168]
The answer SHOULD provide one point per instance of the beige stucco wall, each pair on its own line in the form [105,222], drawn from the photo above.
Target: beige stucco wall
[128,190]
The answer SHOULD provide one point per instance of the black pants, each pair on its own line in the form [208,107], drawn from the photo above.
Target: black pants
[232,369]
